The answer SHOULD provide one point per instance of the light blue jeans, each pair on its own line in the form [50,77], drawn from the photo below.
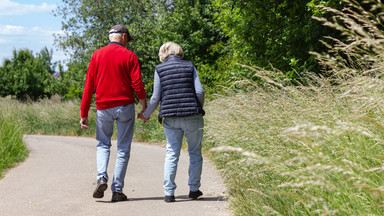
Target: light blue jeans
[125,119]
[175,129]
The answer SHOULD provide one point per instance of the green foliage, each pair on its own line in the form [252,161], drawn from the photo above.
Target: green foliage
[71,82]
[152,23]
[27,76]
[87,24]
[278,33]
[214,34]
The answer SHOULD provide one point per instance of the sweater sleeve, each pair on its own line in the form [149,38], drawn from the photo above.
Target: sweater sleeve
[89,88]
[200,93]
[156,95]
[136,82]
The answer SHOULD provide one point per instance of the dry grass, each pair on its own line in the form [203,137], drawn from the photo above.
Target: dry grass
[302,150]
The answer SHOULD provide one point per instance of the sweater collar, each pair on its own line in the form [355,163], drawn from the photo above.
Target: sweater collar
[172,57]
[117,43]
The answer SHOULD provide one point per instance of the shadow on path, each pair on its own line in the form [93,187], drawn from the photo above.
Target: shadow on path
[178,199]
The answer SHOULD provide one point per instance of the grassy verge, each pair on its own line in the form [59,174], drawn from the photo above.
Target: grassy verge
[12,148]
[56,117]
[296,151]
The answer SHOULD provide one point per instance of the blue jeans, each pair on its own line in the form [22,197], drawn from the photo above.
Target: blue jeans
[175,129]
[125,119]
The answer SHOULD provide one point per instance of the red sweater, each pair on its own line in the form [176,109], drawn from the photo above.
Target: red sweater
[114,73]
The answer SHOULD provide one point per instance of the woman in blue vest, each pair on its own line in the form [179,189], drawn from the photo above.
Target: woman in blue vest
[178,89]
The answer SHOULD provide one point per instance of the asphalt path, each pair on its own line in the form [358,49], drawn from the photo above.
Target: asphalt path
[59,176]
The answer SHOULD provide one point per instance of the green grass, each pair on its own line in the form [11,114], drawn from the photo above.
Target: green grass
[12,148]
[48,116]
[56,117]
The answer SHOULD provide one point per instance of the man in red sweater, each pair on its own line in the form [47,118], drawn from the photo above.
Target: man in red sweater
[114,74]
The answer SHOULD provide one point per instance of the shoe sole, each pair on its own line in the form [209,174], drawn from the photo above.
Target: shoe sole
[99,192]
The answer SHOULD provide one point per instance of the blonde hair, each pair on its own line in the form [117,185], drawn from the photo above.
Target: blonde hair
[170,48]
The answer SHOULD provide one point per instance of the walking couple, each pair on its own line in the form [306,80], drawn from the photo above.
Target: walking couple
[114,75]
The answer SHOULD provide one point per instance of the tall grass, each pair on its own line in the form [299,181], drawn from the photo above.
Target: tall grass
[12,148]
[47,116]
[298,151]
[313,149]
[58,117]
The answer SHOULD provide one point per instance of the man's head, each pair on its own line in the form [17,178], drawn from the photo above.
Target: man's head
[168,49]
[119,33]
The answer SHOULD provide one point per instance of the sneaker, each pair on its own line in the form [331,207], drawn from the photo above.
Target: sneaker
[169,199]
[195,194]
[100,188]
[117,197]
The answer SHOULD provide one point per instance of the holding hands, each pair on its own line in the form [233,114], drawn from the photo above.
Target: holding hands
[141,116]
[143,103]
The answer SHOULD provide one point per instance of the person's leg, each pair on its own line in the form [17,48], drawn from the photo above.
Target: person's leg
[125,119]
[104,130]
[174,137]
[194,134]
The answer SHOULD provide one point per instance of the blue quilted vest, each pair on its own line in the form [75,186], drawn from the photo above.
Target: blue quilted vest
[178,95]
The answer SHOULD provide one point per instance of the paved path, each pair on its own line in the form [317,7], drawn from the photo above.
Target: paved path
[57,179]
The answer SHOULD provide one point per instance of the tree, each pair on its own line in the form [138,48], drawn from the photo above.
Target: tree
[27,76]
[279,33]
[152,23]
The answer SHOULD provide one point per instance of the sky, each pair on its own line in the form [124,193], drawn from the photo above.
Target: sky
[29,24]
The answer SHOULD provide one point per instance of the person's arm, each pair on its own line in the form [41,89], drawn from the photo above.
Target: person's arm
[136,82]
[200,93]
[89,88]
[155,99]
[143,103]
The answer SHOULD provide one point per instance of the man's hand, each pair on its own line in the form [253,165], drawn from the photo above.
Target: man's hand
[143,103]
[84,123]
[141,116]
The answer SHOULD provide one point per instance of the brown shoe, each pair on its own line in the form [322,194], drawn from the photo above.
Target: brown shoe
[100,188]
[117,197]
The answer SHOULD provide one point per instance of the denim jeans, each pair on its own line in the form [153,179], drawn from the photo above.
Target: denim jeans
[175,129]
[125,119]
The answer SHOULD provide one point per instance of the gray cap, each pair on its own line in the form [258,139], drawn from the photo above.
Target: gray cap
[120,29]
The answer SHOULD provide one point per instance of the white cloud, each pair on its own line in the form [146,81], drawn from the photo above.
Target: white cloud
[8,7]
[11,30]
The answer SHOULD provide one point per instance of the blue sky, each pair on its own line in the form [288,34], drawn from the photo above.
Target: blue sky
[28,24]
